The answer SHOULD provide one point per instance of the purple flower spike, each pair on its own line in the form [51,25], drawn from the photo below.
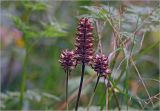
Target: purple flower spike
[84,41]
[101,65]
[67,60]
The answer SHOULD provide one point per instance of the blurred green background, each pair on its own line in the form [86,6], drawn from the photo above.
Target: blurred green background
[33,34]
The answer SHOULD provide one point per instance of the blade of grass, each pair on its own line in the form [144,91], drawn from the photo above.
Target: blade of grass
[116,99]
[114,94]
[126,83]
[90,101]
[102,96]
[147,49]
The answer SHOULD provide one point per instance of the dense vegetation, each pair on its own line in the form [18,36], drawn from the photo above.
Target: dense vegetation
[34,33]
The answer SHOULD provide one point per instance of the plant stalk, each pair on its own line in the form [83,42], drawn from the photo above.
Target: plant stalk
[24,76]
[67,88]
[80,87]
[97,83]
[107,99]
[116,99]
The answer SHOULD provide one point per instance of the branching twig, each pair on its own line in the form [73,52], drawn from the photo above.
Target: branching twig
[119,37]
[140,26]
[139,75]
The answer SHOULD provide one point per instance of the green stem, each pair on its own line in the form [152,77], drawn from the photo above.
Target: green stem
[126,83]
[24,76]
[80,87]
[107,99]
[25,18]
[116,99]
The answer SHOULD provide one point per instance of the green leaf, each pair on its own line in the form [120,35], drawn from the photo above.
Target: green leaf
[139,10]
[19,23]
[147,49]
[38,6]
[96,12]
[51,96]
[53,30]
[32,34]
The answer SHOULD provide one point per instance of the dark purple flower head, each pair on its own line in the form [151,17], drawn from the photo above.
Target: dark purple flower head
[67,60]
[84,41]
[101,64]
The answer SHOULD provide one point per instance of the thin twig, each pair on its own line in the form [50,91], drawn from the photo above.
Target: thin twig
[139,75]
[140,102]
[134,36]
[119,66]
[142,41]
[155,96]
[119,37]
[138,28]
[99,37]
[156,80]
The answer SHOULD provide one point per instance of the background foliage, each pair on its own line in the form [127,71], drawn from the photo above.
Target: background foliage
[33,33]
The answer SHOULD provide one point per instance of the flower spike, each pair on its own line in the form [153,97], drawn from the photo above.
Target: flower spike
[84,41]
[68,62]
[101,67]
[84,48]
